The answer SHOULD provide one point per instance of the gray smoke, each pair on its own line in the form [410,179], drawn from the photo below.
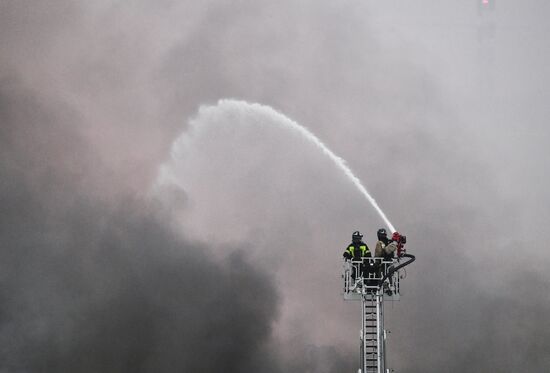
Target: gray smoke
[89,286]
[440,108]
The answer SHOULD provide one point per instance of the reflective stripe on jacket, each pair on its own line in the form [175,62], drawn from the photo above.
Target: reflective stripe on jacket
[361,250]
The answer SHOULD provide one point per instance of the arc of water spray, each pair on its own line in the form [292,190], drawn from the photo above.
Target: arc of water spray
[340,163]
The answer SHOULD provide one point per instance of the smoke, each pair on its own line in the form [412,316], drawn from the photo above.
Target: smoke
[94,278]
[262,115]
[89,286]
[241,145]
[274,190]
[442,115]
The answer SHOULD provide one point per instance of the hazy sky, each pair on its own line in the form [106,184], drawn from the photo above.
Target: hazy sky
[439,107]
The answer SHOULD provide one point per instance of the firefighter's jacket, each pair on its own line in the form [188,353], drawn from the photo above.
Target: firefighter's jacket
[384,250]
[379,250]
[356,251]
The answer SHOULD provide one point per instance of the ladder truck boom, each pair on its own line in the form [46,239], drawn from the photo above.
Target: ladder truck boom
[374,281]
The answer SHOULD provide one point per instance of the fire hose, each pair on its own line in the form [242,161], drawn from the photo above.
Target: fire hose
[391,271]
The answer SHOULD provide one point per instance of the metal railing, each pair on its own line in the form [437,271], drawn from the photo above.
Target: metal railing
[369,275]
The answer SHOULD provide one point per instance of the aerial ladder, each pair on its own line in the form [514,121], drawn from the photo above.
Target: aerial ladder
[374,281]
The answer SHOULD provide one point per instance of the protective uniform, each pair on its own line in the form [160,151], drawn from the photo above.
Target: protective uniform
[379,249]
[357,250]
[385,248]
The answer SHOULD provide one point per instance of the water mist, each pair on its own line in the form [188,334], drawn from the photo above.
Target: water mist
[255,110]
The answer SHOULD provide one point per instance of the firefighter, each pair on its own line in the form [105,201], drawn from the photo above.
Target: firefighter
[385,249]
[357,251]
[382,250]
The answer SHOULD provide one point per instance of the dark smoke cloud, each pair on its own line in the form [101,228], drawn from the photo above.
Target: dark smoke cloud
[446,126]
[88,287]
